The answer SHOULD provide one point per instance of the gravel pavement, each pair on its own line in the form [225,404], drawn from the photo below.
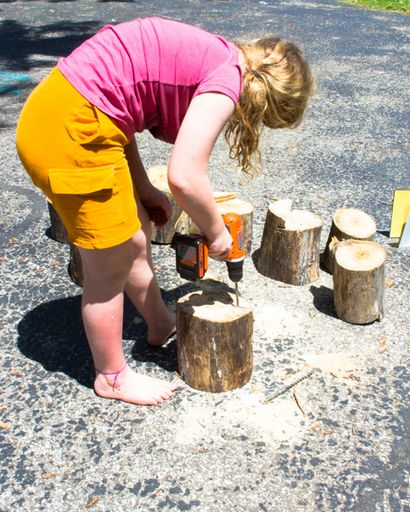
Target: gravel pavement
[343,445]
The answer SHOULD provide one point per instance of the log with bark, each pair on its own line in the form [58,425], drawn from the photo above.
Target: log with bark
[289,249]
[58,230]
[347,224]
[75,266]
[158,175]
[226,202]
[214,340]
[358,281]
[59,233]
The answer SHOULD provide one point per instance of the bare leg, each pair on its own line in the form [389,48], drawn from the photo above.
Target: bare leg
[142,287]
[105,274]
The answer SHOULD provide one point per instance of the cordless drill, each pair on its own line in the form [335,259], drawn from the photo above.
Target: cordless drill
[192,253]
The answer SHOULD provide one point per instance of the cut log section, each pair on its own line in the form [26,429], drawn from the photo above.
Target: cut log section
[75,266]
[214,341]
[358,281]
[226,202]
[347,224]
[158,176]
[290,244]
[58,231]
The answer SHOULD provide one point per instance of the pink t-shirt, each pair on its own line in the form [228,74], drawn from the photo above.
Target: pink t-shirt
[144,73]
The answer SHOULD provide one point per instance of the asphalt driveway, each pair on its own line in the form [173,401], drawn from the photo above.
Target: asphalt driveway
[341,443]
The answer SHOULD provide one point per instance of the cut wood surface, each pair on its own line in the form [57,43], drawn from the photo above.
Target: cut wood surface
[58,230]
[214,340]
[358,281]
[226,202]
[347,224]
[158,176]
[289,249]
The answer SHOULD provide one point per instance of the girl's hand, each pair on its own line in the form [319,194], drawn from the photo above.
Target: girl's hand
[221,245]
[157,205]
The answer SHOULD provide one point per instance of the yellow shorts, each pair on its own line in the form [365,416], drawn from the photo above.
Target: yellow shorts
[75,154]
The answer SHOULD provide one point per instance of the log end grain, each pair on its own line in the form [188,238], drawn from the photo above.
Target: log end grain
[354,223]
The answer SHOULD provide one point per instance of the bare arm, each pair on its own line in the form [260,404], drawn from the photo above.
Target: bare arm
[187,172]
[137,169]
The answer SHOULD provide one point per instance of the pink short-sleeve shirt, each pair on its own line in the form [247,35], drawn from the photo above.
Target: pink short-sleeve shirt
[144,73]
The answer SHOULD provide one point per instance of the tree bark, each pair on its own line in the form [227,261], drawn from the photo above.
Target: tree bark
[347,224]
[75,266]
[289,250]
[214,341]
[58,230]
[358,281]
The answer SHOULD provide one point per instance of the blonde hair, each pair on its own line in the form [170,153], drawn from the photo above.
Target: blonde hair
[276,85]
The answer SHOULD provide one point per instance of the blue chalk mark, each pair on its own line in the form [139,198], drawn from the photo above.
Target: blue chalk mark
[11,80]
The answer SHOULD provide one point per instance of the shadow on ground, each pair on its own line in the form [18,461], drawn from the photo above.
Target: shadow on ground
[52,334]
[323,300]
[19,43]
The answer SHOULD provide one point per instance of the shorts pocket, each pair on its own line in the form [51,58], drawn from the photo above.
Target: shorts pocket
[87,197]
[81,180]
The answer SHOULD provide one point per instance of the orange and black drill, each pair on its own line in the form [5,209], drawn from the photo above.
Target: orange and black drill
[192,253]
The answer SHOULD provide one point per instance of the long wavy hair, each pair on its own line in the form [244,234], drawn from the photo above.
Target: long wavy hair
[276,86]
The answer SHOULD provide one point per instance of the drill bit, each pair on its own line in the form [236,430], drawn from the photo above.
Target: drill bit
[292,382]
[237,294]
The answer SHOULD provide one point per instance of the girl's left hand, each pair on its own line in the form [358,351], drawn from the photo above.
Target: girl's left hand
[157,205]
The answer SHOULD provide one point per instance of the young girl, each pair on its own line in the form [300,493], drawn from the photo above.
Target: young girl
[75,138]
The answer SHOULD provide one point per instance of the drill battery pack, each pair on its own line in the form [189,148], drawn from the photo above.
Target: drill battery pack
[191,256]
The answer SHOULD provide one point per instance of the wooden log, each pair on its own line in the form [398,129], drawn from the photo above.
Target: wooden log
[58,230]
[158,177]
[59,233]
[75,266]
[214,341]
[358,281]
[347,224]
[226,202]
[289,249]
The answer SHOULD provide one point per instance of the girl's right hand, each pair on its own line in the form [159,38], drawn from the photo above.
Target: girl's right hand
[220,246]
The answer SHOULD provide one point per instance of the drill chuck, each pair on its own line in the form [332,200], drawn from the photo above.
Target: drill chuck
[235,270]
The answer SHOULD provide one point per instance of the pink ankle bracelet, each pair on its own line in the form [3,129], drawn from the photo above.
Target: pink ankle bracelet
[115,384]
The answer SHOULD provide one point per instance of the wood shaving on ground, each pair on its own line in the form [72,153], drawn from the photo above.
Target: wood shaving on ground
[92,502]
[382,346]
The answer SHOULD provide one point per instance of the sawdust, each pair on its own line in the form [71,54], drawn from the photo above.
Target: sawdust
[332,362]
[275,320]
[340,365]
[272,423]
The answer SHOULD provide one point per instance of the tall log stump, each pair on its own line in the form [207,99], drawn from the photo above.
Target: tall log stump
[289,249]
[358,281]
[214,341]
[59,233]
[75,266]
[226,202]
[158,176]
[58,230]
[347,224]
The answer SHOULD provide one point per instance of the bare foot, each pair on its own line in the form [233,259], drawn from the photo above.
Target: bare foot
[163,330]
[134,388]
